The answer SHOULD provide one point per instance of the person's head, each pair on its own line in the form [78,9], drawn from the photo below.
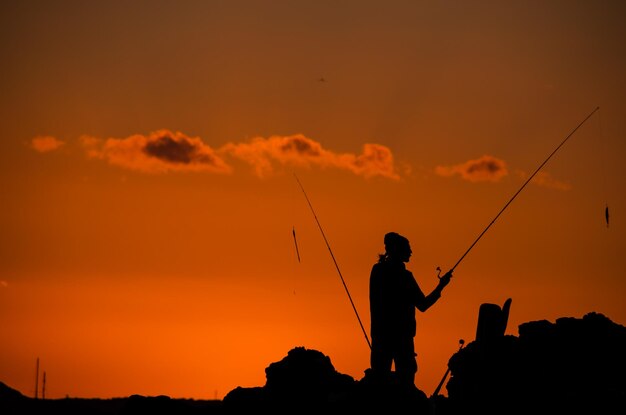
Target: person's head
[397,247]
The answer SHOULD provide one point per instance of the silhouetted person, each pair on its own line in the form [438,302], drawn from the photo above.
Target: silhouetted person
[394,296]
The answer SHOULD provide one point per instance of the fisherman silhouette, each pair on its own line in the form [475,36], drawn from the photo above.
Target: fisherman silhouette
[394,296]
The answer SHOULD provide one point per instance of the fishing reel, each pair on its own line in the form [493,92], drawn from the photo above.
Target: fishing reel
[439,276]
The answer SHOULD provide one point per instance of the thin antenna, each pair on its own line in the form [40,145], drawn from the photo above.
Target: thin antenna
[43,386]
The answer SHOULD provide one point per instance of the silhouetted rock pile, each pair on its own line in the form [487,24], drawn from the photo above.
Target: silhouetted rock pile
[305,381]
[570,366]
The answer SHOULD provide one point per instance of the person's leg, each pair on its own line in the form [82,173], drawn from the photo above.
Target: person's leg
[406,362]
[380,358]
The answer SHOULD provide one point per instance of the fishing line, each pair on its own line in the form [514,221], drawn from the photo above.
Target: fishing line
[334,260]
[523,186]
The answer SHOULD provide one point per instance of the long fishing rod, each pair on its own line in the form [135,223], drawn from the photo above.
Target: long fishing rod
[524,185]
[335,261]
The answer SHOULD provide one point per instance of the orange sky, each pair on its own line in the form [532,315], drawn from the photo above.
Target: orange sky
[148,158]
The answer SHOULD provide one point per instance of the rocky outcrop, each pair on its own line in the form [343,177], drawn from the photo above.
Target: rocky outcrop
[305,381]
[572,365]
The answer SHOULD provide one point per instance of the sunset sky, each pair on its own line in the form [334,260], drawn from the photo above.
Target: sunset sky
[150,151]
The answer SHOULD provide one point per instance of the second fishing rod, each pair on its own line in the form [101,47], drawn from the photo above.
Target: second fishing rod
[522,188]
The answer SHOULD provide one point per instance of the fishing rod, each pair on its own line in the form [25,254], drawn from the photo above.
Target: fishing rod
[445,375]
[524,185]
[335,261]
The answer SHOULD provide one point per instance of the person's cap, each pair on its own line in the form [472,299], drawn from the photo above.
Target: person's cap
[393,240]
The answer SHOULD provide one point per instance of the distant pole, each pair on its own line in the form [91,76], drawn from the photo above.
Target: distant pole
[37,379]
[43,386]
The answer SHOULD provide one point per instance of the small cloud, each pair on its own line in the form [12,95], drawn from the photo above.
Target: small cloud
[4,284]
[485,168]
[376,160]
[45,143]
[298,150]
[545,179]
[159,152]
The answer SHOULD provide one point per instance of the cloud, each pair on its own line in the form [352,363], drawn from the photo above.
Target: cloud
[483,169]
[159,152]
[545,179]
[4,284]
[45,143]
[298,150]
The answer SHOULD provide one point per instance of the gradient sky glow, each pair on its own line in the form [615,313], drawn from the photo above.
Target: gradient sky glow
[148,158]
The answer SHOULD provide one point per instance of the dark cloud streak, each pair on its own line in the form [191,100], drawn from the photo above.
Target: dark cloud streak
[484,169]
